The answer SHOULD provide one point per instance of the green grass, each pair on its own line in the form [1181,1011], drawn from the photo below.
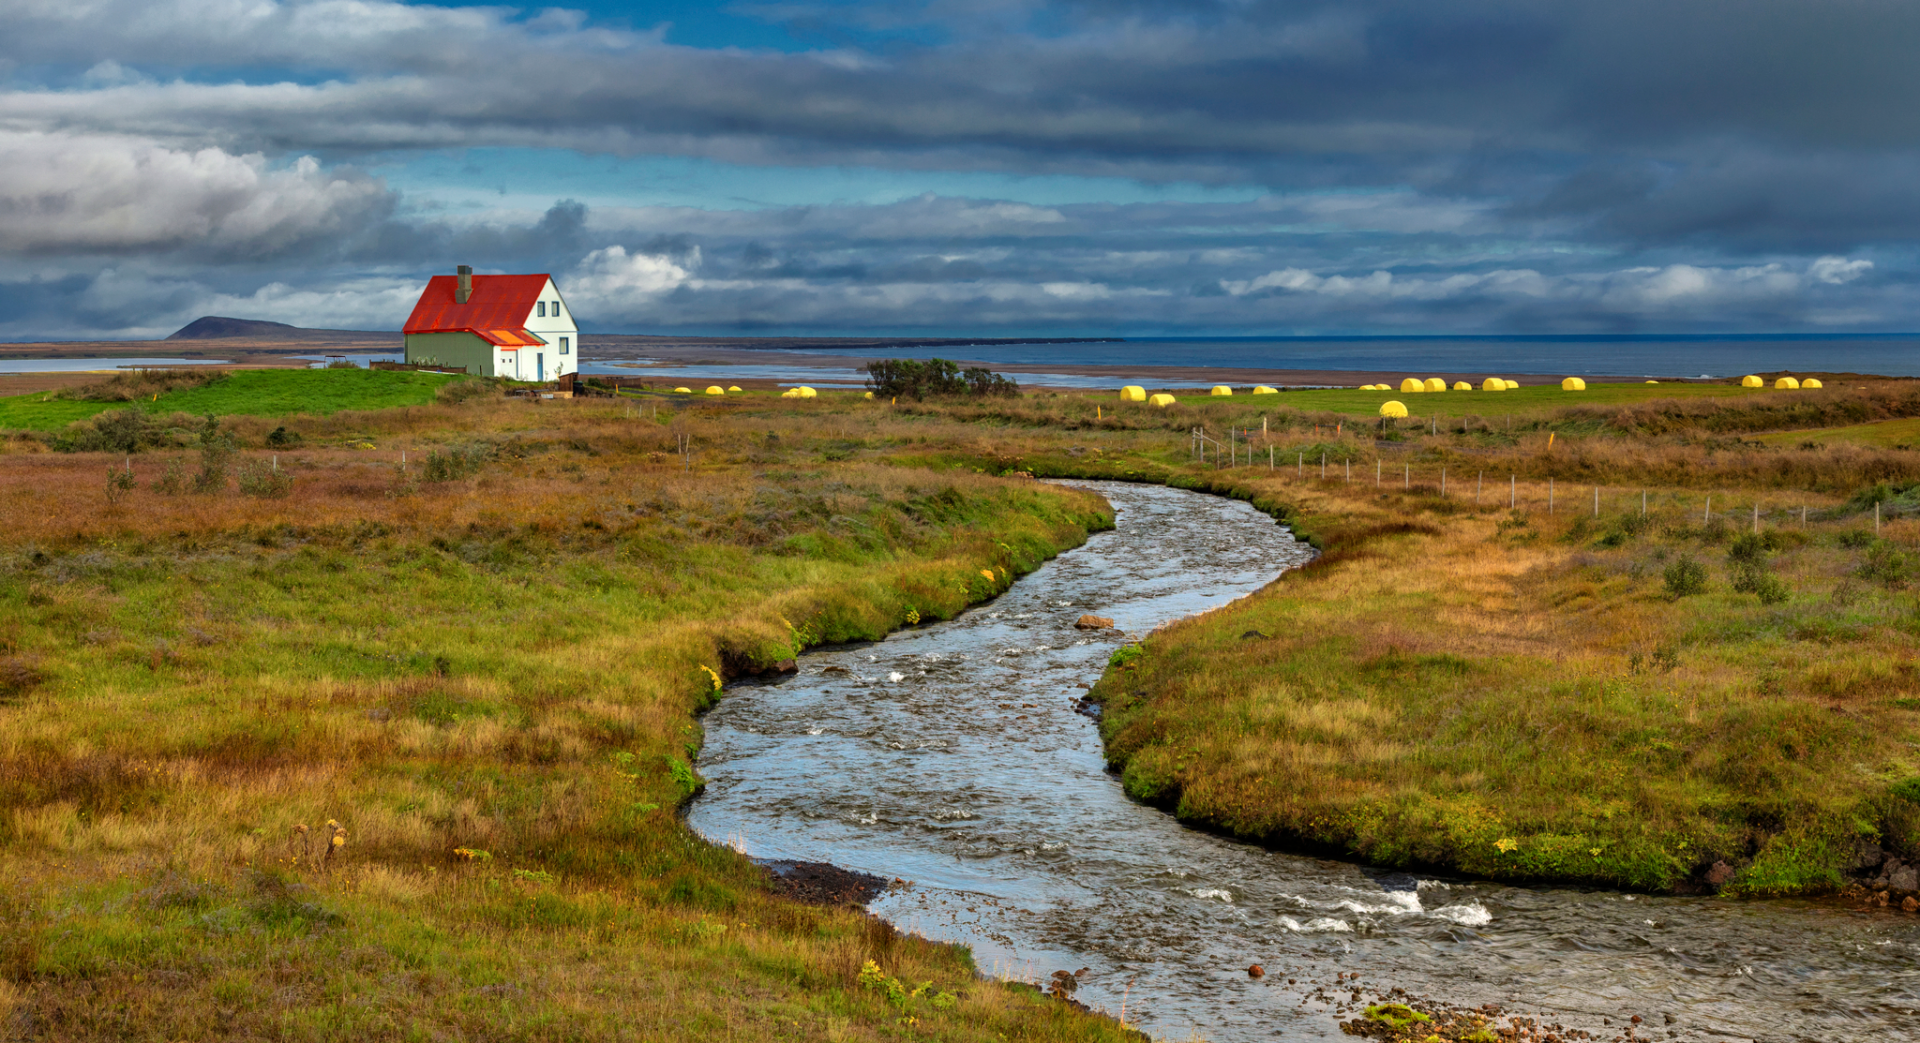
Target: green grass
[509,664]
[1885,434]
[247,392]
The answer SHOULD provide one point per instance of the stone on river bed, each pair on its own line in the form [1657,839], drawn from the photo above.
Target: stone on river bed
[1094,623]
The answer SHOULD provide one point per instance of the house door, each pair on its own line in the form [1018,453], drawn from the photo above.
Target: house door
[539,367]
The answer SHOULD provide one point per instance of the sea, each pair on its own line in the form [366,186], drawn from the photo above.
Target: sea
[1642,357]
[1631,357]
[1704,356]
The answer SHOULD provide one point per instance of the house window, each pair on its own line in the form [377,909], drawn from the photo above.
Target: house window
[540,309]
[556,309]
[566,345]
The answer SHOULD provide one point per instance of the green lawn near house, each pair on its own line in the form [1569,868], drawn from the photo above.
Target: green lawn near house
[247,392]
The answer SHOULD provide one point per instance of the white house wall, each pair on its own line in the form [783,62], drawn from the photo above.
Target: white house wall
[551,328]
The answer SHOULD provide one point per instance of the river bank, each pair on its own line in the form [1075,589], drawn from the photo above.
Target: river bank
[395,749]
[1518,695]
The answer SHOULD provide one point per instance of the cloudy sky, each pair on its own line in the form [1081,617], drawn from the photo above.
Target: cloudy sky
[968,166]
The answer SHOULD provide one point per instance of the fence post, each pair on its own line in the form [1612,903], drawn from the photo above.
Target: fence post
[1376,472]
[1756,516]
[1323,467]
[1269,458]
[1443,482]
[1596,501]
[1406,477]
[1300,465]
[1549,496]
[1349,470]
[1643,503]
[1707,514]
[1513,492]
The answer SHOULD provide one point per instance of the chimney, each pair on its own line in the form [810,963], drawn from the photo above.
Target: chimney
[465,292]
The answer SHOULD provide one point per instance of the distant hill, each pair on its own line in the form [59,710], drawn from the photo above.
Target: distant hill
[220,327]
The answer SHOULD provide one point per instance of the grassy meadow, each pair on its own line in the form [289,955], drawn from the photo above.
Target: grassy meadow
[243,392]
[485,667]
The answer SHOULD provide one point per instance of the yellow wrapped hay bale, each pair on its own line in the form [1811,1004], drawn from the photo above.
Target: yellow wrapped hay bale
[1461,385]
[1513,385]
[715,389]
[1264,390]
[807,392]
[733,389]
[1221,391]
[1133,393]
[683,391]
[1811,382]
[1494,384]
[1412,386]
[1786,384]
[1573,384]
[1653,382]
[1162,400]
[1436,384]
[868,396]
[790,393]
[1751,381]
[1392,408]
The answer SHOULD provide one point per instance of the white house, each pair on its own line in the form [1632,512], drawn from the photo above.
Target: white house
[513,326]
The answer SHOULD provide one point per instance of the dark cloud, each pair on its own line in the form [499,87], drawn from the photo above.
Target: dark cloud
[1500,162]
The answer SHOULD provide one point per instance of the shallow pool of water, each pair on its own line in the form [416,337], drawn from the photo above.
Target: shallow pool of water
[950,755]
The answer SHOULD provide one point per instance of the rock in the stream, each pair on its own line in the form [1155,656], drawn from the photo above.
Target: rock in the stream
[1905,878]
[1094,623]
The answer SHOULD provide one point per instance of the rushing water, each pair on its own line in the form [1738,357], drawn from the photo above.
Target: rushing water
[951,756]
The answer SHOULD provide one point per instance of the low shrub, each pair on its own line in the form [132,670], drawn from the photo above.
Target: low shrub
[1685,578]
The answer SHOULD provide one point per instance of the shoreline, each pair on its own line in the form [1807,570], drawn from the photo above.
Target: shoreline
[813,353]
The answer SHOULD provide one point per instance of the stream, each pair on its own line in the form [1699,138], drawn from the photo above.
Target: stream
[951,756]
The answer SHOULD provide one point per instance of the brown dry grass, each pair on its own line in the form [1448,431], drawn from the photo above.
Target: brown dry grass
[491,684]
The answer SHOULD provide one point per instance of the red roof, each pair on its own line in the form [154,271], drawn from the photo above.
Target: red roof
[499,302]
